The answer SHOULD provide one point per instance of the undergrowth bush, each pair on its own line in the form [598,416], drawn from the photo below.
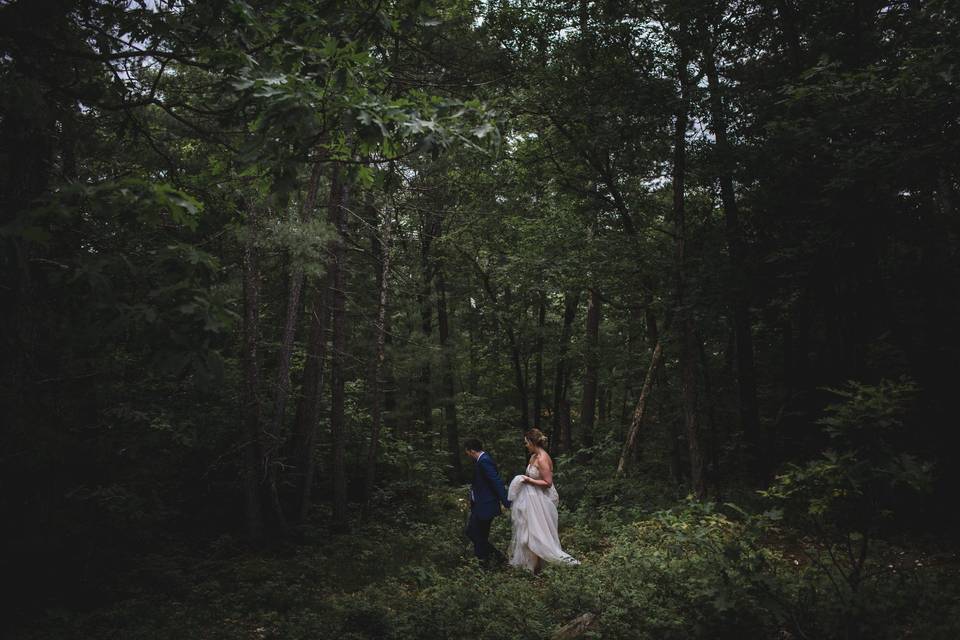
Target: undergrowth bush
[688,571]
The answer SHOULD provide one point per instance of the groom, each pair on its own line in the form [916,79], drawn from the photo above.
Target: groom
[486,494]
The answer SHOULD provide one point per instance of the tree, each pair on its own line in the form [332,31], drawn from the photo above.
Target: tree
[746,374]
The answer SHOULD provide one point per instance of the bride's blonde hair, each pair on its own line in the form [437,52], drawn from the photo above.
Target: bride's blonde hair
[536,437]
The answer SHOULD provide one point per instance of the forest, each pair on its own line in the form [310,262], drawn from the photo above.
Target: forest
[266,266]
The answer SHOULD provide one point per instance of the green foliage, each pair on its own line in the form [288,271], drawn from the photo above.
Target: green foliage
[853,485]
[842,499]
[696,570]
[524,152]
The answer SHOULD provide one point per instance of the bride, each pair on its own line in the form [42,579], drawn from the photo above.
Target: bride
[534,510]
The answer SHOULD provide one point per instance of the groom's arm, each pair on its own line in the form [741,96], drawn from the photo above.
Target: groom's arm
[493,477]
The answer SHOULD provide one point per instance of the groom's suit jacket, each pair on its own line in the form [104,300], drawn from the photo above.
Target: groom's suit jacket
[487,491]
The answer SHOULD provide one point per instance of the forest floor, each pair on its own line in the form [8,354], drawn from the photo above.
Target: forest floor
[323,585]
[408,572]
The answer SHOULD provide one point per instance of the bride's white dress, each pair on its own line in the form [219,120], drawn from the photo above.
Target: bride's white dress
[534,515]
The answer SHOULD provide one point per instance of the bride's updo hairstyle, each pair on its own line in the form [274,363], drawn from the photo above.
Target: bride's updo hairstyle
[536,437]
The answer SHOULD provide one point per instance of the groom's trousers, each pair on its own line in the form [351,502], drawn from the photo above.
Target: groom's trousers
[478,530]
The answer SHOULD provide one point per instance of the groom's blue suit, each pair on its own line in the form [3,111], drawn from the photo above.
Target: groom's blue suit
[487,493]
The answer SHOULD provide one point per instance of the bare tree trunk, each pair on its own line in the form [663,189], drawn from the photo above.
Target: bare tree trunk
[590,376]
[653,339]
[282,387]
[570,301]
[746,372]
[650,320]
[602,394]
[454,470]
[253,509]
[730,351]
[625,387]
[565,428]
[430,230]
[516,359]
[274,434]
[625,391]
[676,451]
[713,442]
[516,356]
[308,411]
[538,369]
[389,381]
[688,341]
[338,353]
[473,375]
[640,411]
[379,356]
[519,380]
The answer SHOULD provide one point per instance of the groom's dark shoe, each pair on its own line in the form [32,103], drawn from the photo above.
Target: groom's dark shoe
[495,560]
[491,564]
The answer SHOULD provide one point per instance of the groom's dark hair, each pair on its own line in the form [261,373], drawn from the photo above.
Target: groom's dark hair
[472,444]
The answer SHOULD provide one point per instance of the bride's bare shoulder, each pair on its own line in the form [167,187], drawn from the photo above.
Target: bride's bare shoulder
[545,460]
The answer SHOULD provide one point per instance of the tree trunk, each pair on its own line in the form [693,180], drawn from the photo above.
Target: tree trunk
[454,470]
[565,428]
[430,228]
[516,357]
[383,276]
[714,437]
[650,320]
[602,404]
[519,380]
[253,510]
[590,376]
[653,338]
[674,435]
[688,341]
[746,373]
[538,370]
[337,356]
[517,360]
[282,387]
[473,374]
[640,411]
[570,301]
[308,411]
[389,381]
[578,627]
